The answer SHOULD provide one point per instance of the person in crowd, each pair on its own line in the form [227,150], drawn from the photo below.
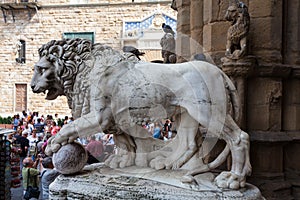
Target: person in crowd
[35,117]
[24,144]
[54,128]
[39,126]
[66,120]
[167,129]
[33,140]
[150,127]
[48,175]
[30,169]
[95,150]
[25,127]
[30,125]
[16,121]
[42,119]
[24,115]
[157,131]
[71,119]
[56,118]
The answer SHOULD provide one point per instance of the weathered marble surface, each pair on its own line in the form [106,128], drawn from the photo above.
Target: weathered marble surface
[100,182]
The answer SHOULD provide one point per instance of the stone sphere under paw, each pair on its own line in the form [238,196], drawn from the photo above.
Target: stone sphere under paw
[70,158]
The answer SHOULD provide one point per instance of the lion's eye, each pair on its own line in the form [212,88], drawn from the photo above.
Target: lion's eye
[41,70]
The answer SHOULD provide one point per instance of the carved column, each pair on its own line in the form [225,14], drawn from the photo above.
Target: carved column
[238,71]
[196,26]
[183,31]
[291,28]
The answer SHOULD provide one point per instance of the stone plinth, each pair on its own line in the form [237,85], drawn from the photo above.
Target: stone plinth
[99,182]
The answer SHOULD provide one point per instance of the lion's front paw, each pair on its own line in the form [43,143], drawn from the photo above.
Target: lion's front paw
[63,137]
[230,180]
[51,147]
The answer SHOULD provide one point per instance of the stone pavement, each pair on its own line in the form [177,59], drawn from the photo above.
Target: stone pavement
[16,193]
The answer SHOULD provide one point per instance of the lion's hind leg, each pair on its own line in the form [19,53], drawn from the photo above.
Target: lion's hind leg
[238,142]
[125,155]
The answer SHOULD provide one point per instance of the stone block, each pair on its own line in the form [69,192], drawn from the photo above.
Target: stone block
[181,3]
[291,109]
[291,118]
[263,91]
[183,24]
[292,95]
[264,104]
[196,16]
[291,157]
[265,33]
[214,36]
[266,158]
[214,11]
[99,182]
[258,8]
[183,47]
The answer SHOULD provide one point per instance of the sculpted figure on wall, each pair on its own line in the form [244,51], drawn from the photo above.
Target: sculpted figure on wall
[167,44]
[109,90]
[237,14]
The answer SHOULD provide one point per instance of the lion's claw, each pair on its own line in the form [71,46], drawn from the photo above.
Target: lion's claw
[229,180]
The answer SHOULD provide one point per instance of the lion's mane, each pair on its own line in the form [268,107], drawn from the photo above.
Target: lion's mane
[74,59]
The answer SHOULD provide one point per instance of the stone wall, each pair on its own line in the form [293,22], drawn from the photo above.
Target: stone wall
[269,91]
[50,21]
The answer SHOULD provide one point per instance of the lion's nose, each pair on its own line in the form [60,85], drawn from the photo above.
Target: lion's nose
[32,87]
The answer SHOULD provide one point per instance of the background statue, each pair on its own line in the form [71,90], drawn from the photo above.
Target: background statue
[108,91]
[237,14]
[167,44]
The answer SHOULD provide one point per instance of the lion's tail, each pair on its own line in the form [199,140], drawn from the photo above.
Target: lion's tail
[234,98]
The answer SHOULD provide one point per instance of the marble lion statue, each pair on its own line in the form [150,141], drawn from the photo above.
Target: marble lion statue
[108,91]
[237,14]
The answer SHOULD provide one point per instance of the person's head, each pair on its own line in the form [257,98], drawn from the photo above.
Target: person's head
[28,162]
[25,134]
[39,120]
[56,115]
[47,163]
[92,137]
[33,132]
[10,136]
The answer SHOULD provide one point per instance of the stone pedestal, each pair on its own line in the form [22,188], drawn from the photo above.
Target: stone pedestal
[99,182]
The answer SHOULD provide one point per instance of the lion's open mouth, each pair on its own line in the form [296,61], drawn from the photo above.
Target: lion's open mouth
[52,93]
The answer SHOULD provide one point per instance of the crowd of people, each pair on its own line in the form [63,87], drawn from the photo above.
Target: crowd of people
[33,131]
[160,129]
[31,135]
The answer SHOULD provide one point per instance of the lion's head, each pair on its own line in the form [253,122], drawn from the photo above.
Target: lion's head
[56,70]
[236,12]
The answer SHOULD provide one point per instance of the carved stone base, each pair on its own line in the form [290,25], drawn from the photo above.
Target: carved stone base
[100,182]
[241,67]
